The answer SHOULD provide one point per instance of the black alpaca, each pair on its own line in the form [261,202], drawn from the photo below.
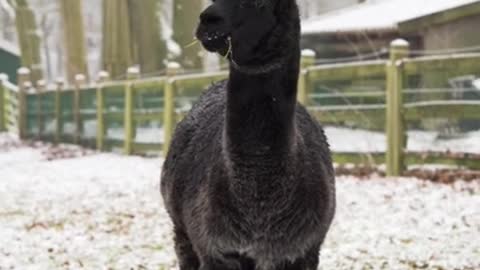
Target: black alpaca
[248,181]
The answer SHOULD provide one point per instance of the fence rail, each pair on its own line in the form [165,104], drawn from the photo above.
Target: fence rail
[138,116]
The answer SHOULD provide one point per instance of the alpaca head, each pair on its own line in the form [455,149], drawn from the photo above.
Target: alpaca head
[250,32]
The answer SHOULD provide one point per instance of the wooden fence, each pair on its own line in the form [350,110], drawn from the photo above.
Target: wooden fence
[88,114]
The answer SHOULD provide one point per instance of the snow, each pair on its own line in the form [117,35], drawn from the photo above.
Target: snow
[341,139]
[400,43]
[4,5]
[404,224]
[357,140]
[377,15]
[9,47]
[104,211]
[95,212]
[308,53]
[476,83]
[23,71]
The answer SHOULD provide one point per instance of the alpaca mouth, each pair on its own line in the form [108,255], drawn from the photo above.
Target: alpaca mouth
[215,42]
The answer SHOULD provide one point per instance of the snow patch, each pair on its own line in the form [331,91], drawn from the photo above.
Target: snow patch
[105,212]
[377,15]
[355,140]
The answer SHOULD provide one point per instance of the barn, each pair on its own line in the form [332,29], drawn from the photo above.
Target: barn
[9,60]
[365,30]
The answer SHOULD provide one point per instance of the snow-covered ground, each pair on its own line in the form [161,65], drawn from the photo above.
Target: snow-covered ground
[357,140]
[341,139]
[104,211]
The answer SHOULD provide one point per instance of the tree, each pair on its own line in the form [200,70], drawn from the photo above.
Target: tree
[185,20]
[148,47]
[29,39]
[117,49]
[74,38]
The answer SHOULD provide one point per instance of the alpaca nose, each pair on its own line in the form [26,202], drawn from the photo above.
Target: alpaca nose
[211,16]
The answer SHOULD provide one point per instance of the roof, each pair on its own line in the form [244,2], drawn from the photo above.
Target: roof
[375,16]
[9,47]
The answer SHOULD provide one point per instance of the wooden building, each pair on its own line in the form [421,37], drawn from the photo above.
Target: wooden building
[365,30]
[9,60]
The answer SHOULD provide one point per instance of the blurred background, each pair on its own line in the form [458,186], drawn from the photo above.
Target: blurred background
[91,91]
[58,40]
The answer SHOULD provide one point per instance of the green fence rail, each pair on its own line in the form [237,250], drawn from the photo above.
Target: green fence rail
[138,116]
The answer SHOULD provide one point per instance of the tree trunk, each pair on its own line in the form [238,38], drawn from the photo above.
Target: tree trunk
[74,38]
[29,39]
[117,52]
[185,21]
[149,47]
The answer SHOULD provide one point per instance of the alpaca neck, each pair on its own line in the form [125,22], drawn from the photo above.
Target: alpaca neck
[260,112]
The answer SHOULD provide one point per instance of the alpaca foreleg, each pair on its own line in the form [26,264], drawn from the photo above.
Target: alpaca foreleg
[210,263]
[187,258]
[309,262]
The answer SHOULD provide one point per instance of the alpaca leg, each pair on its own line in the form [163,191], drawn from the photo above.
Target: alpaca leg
[309,262]
[312,258]
[230,262]
[187,258]
[209,263]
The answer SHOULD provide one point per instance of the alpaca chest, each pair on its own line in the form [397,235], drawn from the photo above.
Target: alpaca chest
[267,247]
[264,231]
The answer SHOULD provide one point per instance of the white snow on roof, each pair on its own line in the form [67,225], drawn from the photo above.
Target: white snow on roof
[9,47]
[377,15]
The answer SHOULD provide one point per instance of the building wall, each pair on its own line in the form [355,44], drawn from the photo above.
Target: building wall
[9,64]
[310,8]
[329,5]
[356,44]
[457,34]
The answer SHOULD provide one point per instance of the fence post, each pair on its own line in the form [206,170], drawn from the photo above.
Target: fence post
[132,74]
[102,78]
[23,78]
[3,104]
[41,85]
[58,111]
[77,119]
[169,105]
[308,60]
[396,138]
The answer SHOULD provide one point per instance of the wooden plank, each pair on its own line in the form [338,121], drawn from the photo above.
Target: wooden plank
[169,105]
[308,60]
[23,79]
[148,117]
[442,110]
[147,148]
[395,122]
[100,138]
[58,111]
[3,105]
[77,118]
[350,71]
[461,64]
[133,73]
[149,86]
[373,118]
[376,114]
[411,158]
[41,85]
[199,81]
